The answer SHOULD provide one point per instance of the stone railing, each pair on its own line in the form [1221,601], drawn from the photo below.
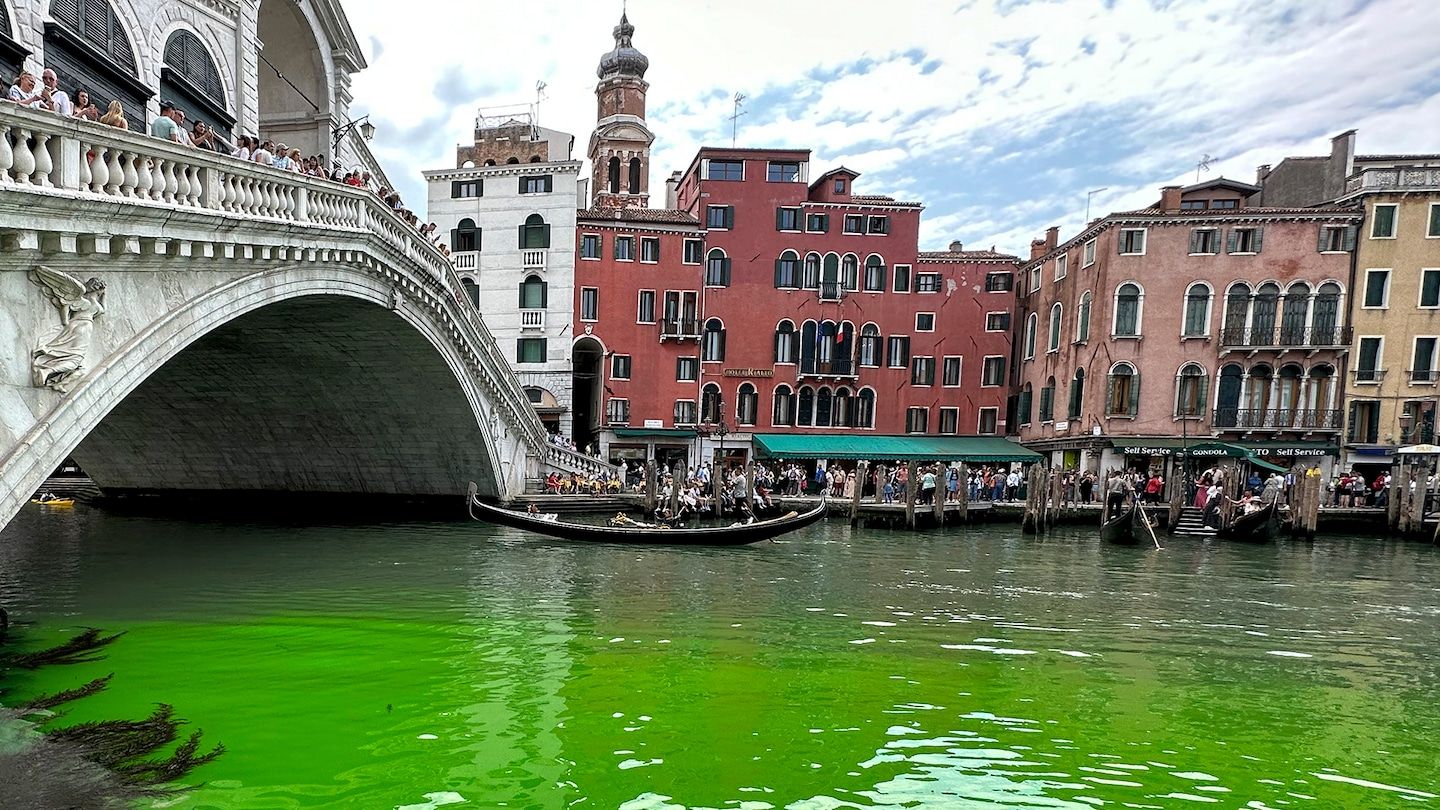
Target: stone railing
[564,458]
[46,154]
[1408,179]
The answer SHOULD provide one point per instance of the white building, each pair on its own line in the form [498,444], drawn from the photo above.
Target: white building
[508,213]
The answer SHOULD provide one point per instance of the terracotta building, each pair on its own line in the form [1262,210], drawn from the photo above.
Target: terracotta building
[1201,317]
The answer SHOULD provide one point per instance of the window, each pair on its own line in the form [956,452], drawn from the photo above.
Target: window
[465,189]
[685,412]
[533,293]
[1382,223]
[902,278]
[854,223]
[1245,240]
[870,346]
[1193,205]
[850,273]
[1032,331]
[782,172]
[805,406]
[747,404]
[1364,422]
[1432,227]
[620,366]
[635,176]
[787,346]
[897,351]
[1047,400]
[951,378]
[717,269]
[1367,366]
[1088,254]
[1127,310]
[1082,318]
[1204,242]
[1123,398]
[787,219]
[590,246]
[694,250]
[1062,266]
[712,341]
[589,304]
[711,404]
[617,411]
[924,322]
[625,248]
[1055,314]
[1336,239]
[536,184]
[1023,402]
[810,280]
[783,410]
[465,237]
[874,274]
[1197,311]
[534,233]
[645,312]
[687,369]
[1422,363]
[530,350]
[823,410]
[1132,242]
[1034,279]
[997,322]
[989,423]
[879,226]
[839,185]
[992,373]
[613,175]
[1077,394]
[922,371]
[817,223]
[916,420]
[1224,204]
[1430,288]
[787,271]
[950,421]
[1190,392]
[927,282]
[719,217]
[999,282]
[649,249]
[1377,289]
[725,170]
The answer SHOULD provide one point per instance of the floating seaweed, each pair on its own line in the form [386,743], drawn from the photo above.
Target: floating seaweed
[81,649]
[46,702]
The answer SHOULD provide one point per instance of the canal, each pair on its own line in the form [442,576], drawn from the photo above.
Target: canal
[422,665]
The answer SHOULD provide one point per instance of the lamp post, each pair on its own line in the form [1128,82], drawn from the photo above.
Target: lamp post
[367,131]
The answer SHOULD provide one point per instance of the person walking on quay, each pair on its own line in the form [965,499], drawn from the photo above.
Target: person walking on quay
[927,486]
[889,489]
[1012,485]
[1274,485]
[1153,488]
[1382,489]
[952,485]
[1087,487]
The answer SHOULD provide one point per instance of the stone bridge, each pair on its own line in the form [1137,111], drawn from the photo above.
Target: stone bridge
[248,330]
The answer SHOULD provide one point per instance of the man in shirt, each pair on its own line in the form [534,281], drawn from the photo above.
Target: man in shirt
[59,99]
[164,125]
[25,93]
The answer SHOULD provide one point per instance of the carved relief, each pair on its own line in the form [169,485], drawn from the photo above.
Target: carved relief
[59,359]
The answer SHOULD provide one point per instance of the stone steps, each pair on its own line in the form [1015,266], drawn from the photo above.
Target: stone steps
[1190,523]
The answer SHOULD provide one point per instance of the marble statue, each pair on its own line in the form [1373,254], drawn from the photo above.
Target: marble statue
[58,361]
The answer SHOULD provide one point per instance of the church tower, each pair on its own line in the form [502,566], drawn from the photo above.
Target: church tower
[620,146]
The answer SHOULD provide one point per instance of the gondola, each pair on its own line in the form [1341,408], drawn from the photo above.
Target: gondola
[736,535]
[1124,528]
[1260,526]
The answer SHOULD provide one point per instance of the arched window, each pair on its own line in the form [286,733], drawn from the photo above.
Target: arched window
[97,24]
[465,236]
[534,293]
[1324,331]
[1190,385]
[512,161]
[808,334]
[1262,315]
[1287,393]
[1023,404]
[634,175]
[870,345]
[717,269]
[1055,313]
[787,271]
[811,279]
[784,408]
[865,409]
[787,348]
[1032,326]
[1197,311]
[830,277]
[534,233]
[1047,400]
[747,404]
[1128,310]
[1077,395]
[711,405]
[805,407]
[823,401]
[1082,318]
[472,291]
[842,414]
[712,342]
[91,49]
[1123,398]
[1257,395]
[850,272]
[874,274]
[535,159]
[825,350]
[490,162]
[1320,402]
[1227,396]
[1237,312]
[613,180]
[190,77]
[1296,315]
[844,362]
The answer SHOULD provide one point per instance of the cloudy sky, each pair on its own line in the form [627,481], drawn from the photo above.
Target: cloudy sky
[998,114]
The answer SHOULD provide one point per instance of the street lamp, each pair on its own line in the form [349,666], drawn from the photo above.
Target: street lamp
[367,131]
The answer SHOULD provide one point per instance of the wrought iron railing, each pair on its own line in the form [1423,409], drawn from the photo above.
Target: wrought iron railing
[1369,375]
[680,328]
[1278,418]
[838,367]
[1285,337]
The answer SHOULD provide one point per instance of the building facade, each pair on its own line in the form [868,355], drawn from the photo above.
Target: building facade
[508,208]
[1199,319]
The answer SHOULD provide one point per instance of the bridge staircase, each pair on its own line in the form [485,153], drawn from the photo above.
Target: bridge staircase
[1191,524]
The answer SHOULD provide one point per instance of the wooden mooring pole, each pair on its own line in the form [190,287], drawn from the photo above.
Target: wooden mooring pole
[675,482]
[937,496]
[650,488]
[911,488]
[1034,499]
[861,470]
[964,493]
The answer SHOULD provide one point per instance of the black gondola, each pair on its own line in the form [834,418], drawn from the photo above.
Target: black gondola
[1260,526]
[1124,528]
[737,535]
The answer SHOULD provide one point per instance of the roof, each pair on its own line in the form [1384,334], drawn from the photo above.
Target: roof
[1432,156]
[851,173]
[965,256]
[666,215]
[1236,212]
[978,449]
[1220,182]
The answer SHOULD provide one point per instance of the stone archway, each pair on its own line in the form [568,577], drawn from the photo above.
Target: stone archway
[589,380]
[296,79]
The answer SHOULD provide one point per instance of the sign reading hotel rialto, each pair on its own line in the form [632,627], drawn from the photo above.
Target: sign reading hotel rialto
[749,372]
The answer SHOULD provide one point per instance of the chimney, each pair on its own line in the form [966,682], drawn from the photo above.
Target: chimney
[671,186]
[1261,172]
[1340,165]
[1169,199]
[957,246]
[1037,248]
[1052,237]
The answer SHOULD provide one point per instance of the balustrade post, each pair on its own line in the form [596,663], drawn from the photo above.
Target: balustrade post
[302,204]
[212,191]
[68,172]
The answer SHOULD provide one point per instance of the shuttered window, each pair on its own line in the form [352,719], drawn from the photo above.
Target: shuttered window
[96,23]
[186,55]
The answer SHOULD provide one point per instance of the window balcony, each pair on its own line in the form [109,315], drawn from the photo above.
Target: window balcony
[466,260]
[532,320]
[1369,375]
[1424,376]
[838,368]
[1277,419]
[831,291]
[533,259]
[1284,337]
[680,329]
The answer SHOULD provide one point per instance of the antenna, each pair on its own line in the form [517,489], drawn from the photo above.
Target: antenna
[1088,196]
[539,97]
[735,118]
[1203,165]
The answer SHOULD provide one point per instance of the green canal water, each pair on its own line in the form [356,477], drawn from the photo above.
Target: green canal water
[426,665]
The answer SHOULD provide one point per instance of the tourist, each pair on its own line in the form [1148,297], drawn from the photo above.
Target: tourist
[1274,485]
[1115,490]
[952,485]
[59,99]
[84,108]
[115,116]
[1153,488]
[927,486]
[26,93]
[1087,486]
[1012,485]
[164,126]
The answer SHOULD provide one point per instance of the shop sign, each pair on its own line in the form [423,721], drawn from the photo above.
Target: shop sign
[1142,450]
[1059,426]
[1294,451]
[749,372]
[654,423]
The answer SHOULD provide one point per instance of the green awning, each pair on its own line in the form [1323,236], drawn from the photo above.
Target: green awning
[655,433]
[976,449]
[1265,465]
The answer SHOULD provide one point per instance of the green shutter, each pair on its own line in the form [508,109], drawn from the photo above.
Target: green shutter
[1134,404]
[1194,241]
[522,237]
[454,189]
[1350,423]
[778,284]
[779,219]
[1110,395]
[725,272]
[545,234]
[1351,232]
[729,217]
[1232,240]
[454,238]
[1259,239]
[544,294]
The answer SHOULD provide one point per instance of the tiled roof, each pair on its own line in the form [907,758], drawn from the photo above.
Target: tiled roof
[1398,157]
[1234,212]
[665,215]
[964,256]
[878,199]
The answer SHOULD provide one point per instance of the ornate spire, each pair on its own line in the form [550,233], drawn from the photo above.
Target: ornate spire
[624,60]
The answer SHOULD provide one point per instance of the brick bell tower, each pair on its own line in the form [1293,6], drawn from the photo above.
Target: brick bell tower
[620,145]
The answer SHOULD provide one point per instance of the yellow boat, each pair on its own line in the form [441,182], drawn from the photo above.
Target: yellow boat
[54,501]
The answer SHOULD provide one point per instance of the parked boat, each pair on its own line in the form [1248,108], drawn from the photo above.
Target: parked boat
[1124,528]
[1260,526]
[738,534]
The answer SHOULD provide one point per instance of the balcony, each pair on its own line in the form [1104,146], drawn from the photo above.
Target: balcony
[1277,419]
[533,259]
[1284,337]
[1369,375]
[839,368]
[532,320]
[831,291]
[1406,179]
[466,260]
[680,329]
